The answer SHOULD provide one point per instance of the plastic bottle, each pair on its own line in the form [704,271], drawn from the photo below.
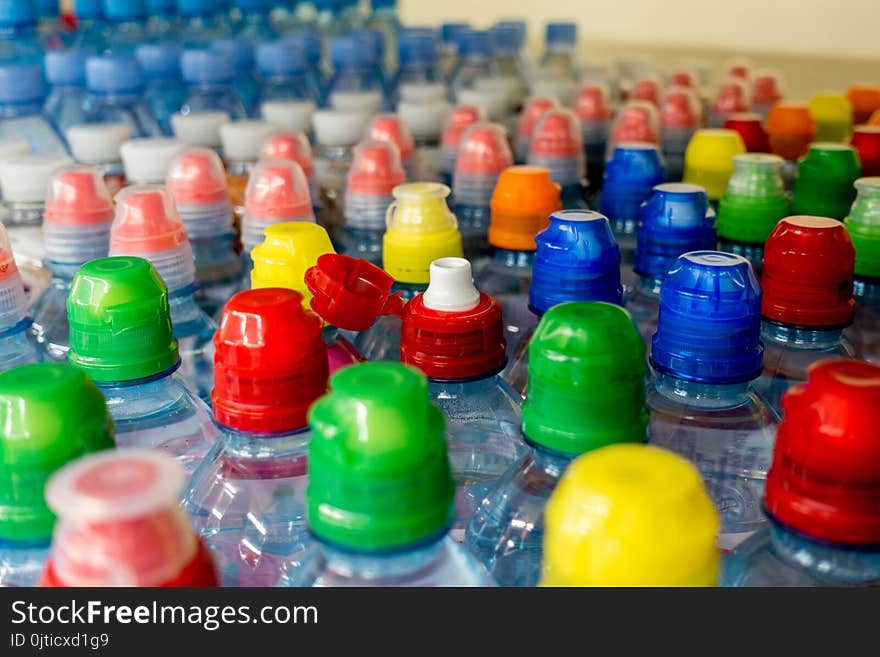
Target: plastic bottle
[50,31]
[384,18]
[51,414]
[420,228]
[680,117]
[523,200]
[733,97]
[556,145]
[19,42]
[863,224]
[822,527]
[424,113]
[449,45]
[76,229]
[824,186]
[120,524]
[767,90]
[750,127]
[560,59]
[675,219]
[241,149]
[116,94]
[197,181]
[636,120]
[164,24]
[334,17]
[66,74]
[375,172]
[203,22]
[247,499]
[16,347]
[755,201]
[474,52]
[419,61]
[288,88]
[99,144]
[649,504]
[462,117]
[402,492]
[506,65]
[89,37]
[833,116]
[200,128]
[577,259]
[533,109]
[482,155]
[356,72]
[866,141]
[126,25]
[587,391]
[254,23]
[455,335]
[708,160]
[318,64]
[706,351]
[808,300]
[165,92]
[791,130]
[22,94]
[146,161]
[373,42]
[210,74]
[121,336]
[147,225]
[865,100]
[245,84]
[594,111]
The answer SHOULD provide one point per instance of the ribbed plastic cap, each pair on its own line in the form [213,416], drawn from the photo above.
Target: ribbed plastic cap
[790,129]
[833,116]
[586,379]
[114,74]
[65,67]
[755,199]
[824,479]
[808,273]
[379,474]
[363,103]
[767,88]
[507,38]
[864,99]
[78,196]
[97,143]
[376,169]
[196,177]
[733,96]
[633,170]
[417,48]
[50,414]
[557,134]
[293,146]
[648,89]
[577,259]
[147,160]
[523,200]
[207,67]
[473,43]
[709,326]
[348,51]
[242,139]
[423,119]
[636,121]
[25,179]
[751,128]
[200,128]
[159,61]
[863,224]
[288,251]
[278,189]
[462,117]
[391,128]
[281,59]
[630,515]
[681,108]
[21,83]
[824,183]
[483,151]
[270,362]
[290,115]
[866,141]
[561,33]
[146,222]
[120,328]
[708,160]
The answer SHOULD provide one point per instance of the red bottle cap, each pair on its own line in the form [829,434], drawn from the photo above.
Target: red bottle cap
[751,130]
[740,69]
[391,128]
[732,96]
[350,293]
[791,129]
[376,169]
[78,196]
[592,103]
[681,108]
[647,88]
[483,150]
[637,120]
[278,189]
[866,140]
[146,221]
[462,117]
[825,477]
[767,88]
[685,78]
[196,177]
[270,362]
[290,146]
[534,108]
[557,134]
[808,273]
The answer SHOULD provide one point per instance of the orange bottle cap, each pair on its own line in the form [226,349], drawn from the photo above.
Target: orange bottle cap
[524,199]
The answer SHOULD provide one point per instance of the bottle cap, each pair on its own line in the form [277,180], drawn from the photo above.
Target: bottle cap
[347,51]
[493,104]
[423,119]
[278,189]
[207,66]
[755,199]
[86,9]
[391,128]
[97,143]
[708,160]
[114,74]
[379,474]
[866,141]
[483,151]
[50,414]
[289,115]
[25,179]
[159,61]
[281,59]
[13,299]
[808,273]
[65,68]
[242,139]
[733,96]
[78,196]
[739,68]
[577,259]
[120,328]
[288,251]
[376,169]
[200,128]
[586,379]
[863,224]
[632,171]
[790,129]
[21,83]
[681,108]
[557,145]
[561,33]
[364,104]
[417,48]
[630,515]
[448,31]
[875,118]
[473,43]
[592,103]
[340,128]
[293,146]
[507,39]
[146,221]
[751,129]
[523,200]
[709,326]
[147,160]
[647,89]
[767,88]
[824,183]
[196,177]
[865,100]
[461,118]
[563,91]
[833,116]
[824,478]
[636,121]
[125,10]
[685,77]
[15,13]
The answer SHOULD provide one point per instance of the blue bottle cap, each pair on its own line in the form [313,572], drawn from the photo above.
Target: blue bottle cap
[709,326]
[329,5]
[125,10]
[206,66]
[159,61]
[107,74]
[506,38]
[349,52]
[241,51]
[18,13]
[254,5]
[417,47]
[676,219]
[374,39]
[473,42]
[449,32]
[521,26]
[577,259]
[281,59]
[383,4]
[162,7]
[21,83]
[199,7]
[65,68]
[311,44]
[88,9]
[48,8]
[631,174]
[562,33]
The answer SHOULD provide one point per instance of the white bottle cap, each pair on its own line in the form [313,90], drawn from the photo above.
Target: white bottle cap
[424,120]
[97,143]
[506,87]
[242,140]
[423,93]
[356,101]
[13,148]
[564,91]
[337,128]
[199,128]
[292,115]
[495,105]
[451,288]
[26,179]
[147,160]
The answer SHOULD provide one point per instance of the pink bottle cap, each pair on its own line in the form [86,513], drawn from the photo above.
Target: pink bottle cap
[462,117]
[391,128]
[767,88]
[741,69]
[732,96]
[646,88]
[376,169]
[8,268]
[557,134]
[483,150]
[534,108]
[291,146]
[78,196]
[146,222]
[278,189]
[637,120]
[197,177]
[680,108]
[592,103]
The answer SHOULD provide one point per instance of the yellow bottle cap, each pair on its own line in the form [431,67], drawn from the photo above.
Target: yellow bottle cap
[833,116]
[630,515]
[289,249]
[708,160]
[420,228]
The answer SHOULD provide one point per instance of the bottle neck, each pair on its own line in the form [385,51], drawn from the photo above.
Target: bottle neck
[550,461]
[186,316]
[703,395]
[867,291]
[513,259]
[291,444]
[409,291]
[64,271]
[801,337]
[126,97]
[382,565]
[649,285]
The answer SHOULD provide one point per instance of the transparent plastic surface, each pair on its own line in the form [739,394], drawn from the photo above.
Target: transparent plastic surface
[22,564]
[864,333]
[506,277]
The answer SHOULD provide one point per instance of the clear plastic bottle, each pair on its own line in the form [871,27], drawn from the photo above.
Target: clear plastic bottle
[556,145]
[165,91]
[373,41]
[22,95]
[247,499]
[863,224]
[99,144]
[461,118]
[474,54]
[76,229]
[449,45]
[241,141]
[126,25]
[680,117]
[823,528]
[210,75]
[586,391]
[90,27]
[706,351]
[204,21]
[560,59]
[50,31]
[51,414]
[254,24]
[116,94]
[403,493]
[289,91]
[356,72]
[808,301]
[66,74]
[19,41]
[424,111]
[507,42]
[384,17]
[246,85]
[147,225]
[135,363]
[164,23]
[16,346]
[419,61]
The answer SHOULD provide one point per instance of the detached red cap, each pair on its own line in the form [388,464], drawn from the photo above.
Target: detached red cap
[636,121]
[808,273]
[375,169]
[647,89]
[557,133]
[866,141]
[483,150]
[751,130]
[290,146]
[197,176]
[146,221]
[451,331]
[592,103]
[732,96]
[270,362]
[278,189]
[767,88]
[534,108]
[78,196]
[391,128]
[681,109]
[462,117]
[825,477]
[350,293]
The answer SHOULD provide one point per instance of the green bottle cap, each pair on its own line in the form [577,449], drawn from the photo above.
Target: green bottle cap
[379,475]
[863,224]
[120,328]
[824,183]
[755,199]
[50,414]
[587,373]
